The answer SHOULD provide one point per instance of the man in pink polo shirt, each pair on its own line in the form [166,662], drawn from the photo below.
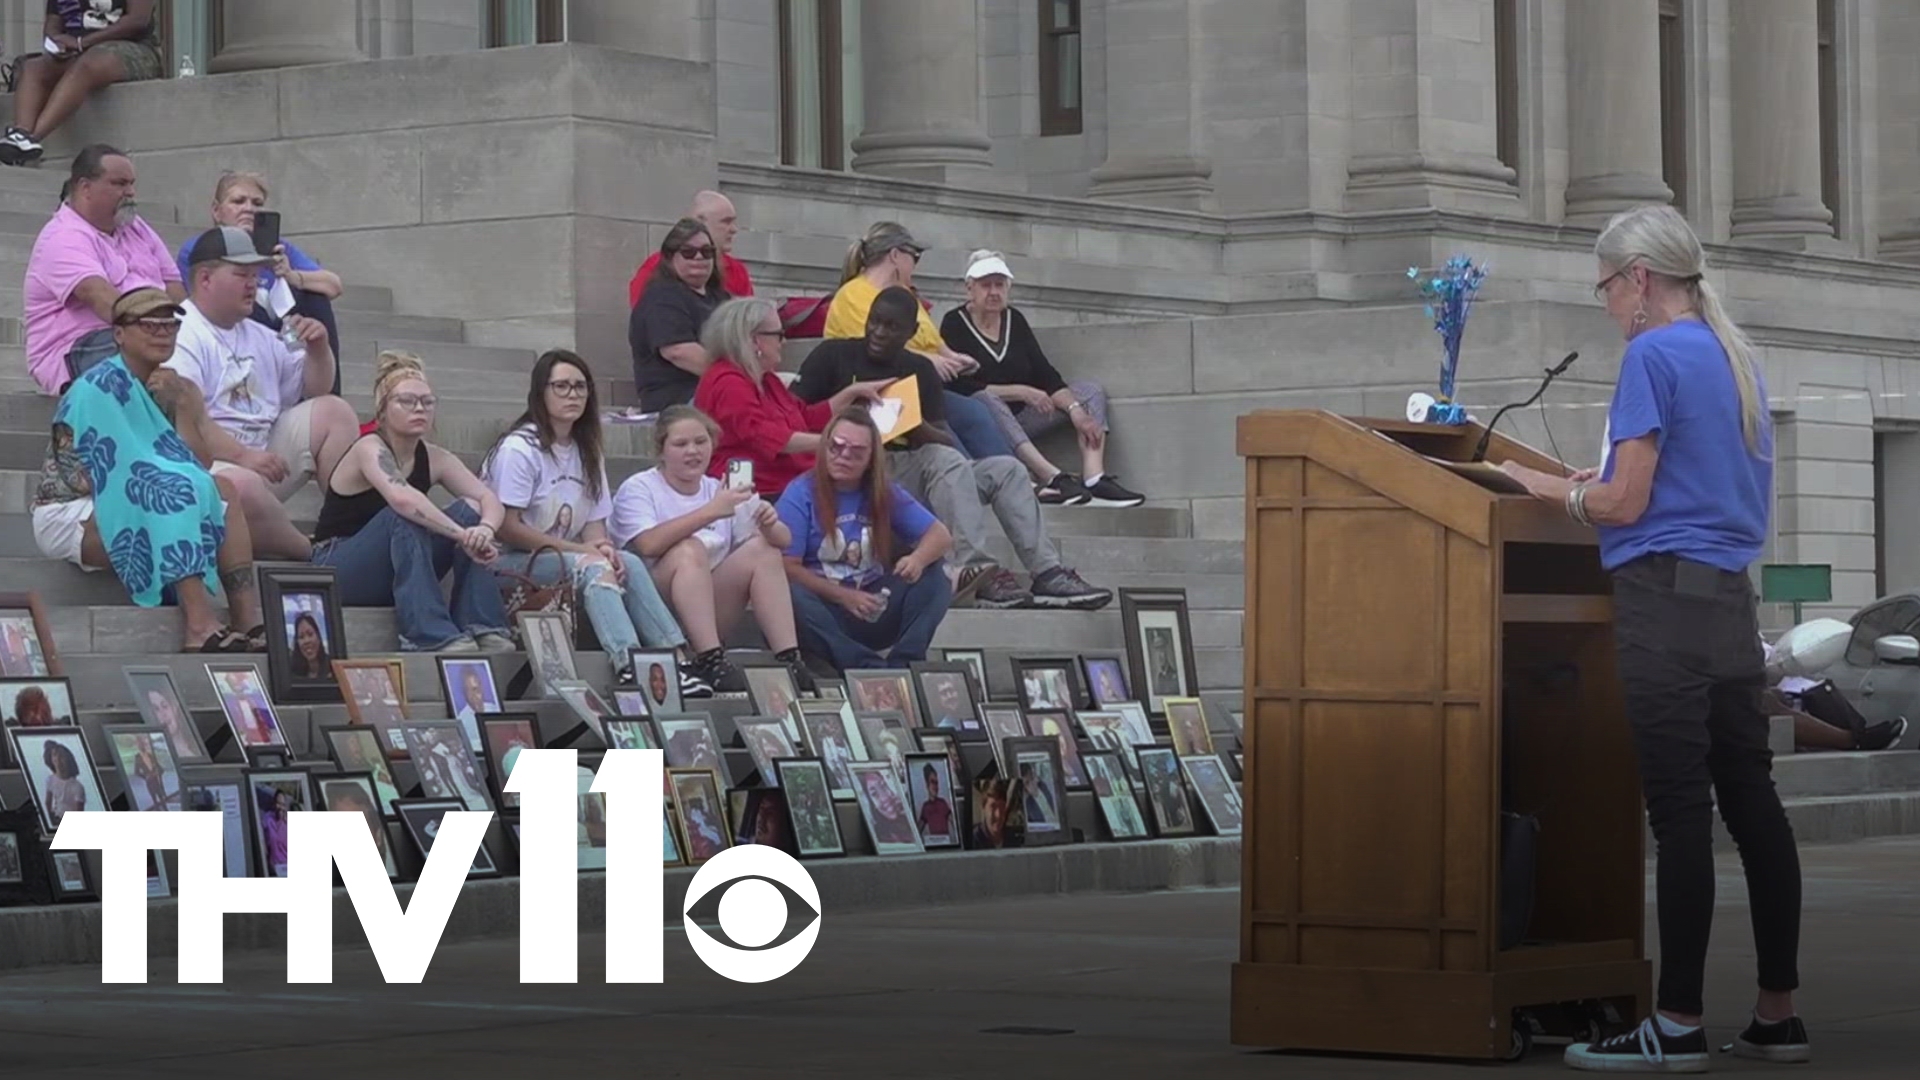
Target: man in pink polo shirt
[93,250]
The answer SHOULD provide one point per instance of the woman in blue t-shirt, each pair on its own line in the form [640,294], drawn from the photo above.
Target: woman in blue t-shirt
[853,598]
[1681,500]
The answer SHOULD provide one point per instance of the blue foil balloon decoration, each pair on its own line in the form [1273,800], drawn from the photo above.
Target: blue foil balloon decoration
[1449,294]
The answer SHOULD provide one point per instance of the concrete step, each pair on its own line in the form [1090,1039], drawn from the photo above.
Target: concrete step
[1826,775]
[19,225]
[355,326]
[453,357]
[1843,819]
[1102,555]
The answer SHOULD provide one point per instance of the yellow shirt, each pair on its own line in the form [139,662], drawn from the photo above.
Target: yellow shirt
[847,317]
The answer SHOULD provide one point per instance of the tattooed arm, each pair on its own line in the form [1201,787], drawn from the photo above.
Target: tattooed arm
[371,462]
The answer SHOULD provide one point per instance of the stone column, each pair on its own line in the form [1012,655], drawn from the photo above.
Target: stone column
[1897,86]
[1156,147]
[681,29]
[1776,121]
[1613,108]
[286,33]
[920,68]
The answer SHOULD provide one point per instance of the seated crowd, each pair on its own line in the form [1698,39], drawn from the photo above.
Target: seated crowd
[199,391]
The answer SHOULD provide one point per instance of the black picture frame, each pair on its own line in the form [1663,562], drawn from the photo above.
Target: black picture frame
[417,815]
[1073,771]
[1167,794]
[327,784]
[811,807]
[965,714]
[1068,666]
[223,789]
[955,835]
[39,775]
[500,734]
[975,661]
[70,876]
[339,738]
[1135,602]
[284,588]
[1050,796]
[1102,663]
[170,715]
[1113,794]
[259,783]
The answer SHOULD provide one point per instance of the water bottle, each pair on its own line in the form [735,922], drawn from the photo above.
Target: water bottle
[186,66]
[883,594]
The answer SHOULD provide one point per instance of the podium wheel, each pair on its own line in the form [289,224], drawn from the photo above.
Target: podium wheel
[1522,1040]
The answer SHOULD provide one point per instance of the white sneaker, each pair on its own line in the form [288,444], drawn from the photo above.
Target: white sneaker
[461,644]
[493,642]
[18,148]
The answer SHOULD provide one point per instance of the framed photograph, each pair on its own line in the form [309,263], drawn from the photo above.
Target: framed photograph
[835,741]
[13,869]
[1113,792]
[770,687]
[631,733]
[689,742]
[631,703]
[502,737]
[809,792]
[586,703]
[30,703]
[354,791]
[887,739]
[1048,684]
[467,682]
[422,818]
[1166,792]
[267,757]
[930,791]
[148,770]
[1003,722]
[940,741]
[767,741]
[72,879]
[591,850]
[222,789]
[1109,731]
[883,806]
[445,767]
[59,772]
[1159,645]
[161,706]
[1106,680]
[1038,789]
[884,690]
[376,695]
[549,647]
[1207,778]
[657,677]
[26,645]
[670,853]
[1187,726]
[975,661]
[245,703]
[305,631]
[273,794]
[947,699]
[762,818]
[703,815]
[1058,727]
[1139,729]
[995,825]
[357,749]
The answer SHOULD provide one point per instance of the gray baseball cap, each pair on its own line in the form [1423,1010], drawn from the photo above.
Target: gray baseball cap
[226,244]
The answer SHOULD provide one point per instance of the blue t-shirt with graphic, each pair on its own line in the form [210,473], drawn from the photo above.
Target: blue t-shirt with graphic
[846,556]
[1711,496]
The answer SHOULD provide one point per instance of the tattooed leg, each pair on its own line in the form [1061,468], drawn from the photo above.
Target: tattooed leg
[236,562]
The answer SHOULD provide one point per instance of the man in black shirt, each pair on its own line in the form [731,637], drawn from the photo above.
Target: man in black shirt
[940,476]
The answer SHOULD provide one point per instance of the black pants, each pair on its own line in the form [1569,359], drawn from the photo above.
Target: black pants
[319,309]
[1690,661]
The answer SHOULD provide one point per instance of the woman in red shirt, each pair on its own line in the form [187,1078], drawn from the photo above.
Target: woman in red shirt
[760,419]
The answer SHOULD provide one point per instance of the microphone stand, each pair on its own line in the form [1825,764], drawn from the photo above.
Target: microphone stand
[1480,451]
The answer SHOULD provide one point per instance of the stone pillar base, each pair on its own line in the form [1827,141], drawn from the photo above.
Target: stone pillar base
[1421,179]
[1901,245]
[946,157]
[1592,200]
[1182,182]
[266,55]
[1780,216]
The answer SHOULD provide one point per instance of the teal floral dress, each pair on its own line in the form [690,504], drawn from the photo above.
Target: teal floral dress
[160,515]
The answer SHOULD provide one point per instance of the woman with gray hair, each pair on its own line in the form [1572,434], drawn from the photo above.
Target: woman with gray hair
[1681,500]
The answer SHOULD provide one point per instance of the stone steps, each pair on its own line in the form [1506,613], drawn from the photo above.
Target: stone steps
[355,326]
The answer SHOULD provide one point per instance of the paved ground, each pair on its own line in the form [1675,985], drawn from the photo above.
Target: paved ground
[1138,983]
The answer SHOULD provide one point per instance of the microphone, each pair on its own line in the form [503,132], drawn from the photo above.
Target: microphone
[1480,451]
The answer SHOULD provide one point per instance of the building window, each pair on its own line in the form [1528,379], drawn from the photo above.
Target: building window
[1673,101]
[1059,67]
[525,22]
[1506,78]
[821,103]
[189,29]
[1829,115]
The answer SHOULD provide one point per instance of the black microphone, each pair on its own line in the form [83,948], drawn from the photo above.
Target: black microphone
[1480,451]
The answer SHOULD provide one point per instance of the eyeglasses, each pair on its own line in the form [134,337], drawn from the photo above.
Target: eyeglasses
[416,402]
[696,254]
[1600,290]
[913,253]
[777,335]
[155,326]
[842,448]
[575,388]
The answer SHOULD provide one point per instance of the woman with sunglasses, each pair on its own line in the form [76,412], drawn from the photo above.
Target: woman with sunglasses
[664,328]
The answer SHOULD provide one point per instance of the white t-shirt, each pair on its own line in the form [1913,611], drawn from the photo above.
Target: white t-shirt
[646,500]
[548,488]
[247,375]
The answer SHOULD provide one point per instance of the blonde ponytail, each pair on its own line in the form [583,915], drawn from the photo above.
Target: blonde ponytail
[856,261]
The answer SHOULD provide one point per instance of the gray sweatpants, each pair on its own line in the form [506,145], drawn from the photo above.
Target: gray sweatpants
[958,491]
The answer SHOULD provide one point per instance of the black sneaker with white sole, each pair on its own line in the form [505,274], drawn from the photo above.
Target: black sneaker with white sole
[1645,1049]
[1107,491]
[1783,1041]
[19,148]
[1065,489]
[1884,736]
[718,672]
[1061,587]
[693,686]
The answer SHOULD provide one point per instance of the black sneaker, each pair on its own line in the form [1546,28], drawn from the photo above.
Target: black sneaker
[1784,1041]
[1000,589]
[19,148]
[1885,736]
[1644,1049]
[802,677]
[1107,491]
[1061,587]
[718,672]
[692,685]
[1065,489]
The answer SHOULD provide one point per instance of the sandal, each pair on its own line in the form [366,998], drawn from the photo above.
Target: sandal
[224,640]
[257,638]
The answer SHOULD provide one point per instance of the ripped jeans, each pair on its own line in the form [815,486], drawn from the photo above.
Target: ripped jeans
[622,618]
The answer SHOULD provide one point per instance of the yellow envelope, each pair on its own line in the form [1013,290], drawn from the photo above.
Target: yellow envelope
[898,410]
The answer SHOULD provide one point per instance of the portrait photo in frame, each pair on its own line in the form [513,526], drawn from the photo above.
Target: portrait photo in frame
[59,772]
[689,742]
[1039,789]
[975,661]
[468,686]
[306,631]
[26,644]
[502,737]
[702,811]
[222,789]
[876,690]
[72,878]
[1187,726]
[354,792]
[1059,727]
[356,748]
[1109,731]
[948,699]
[943,741]
[631,733]
[1106,680]
[657,679]
[549,646]
[767,741]
[591,846]
[809,793]
[37,702]
[887,739]
[446,768]
[149,772]
[1167,792]
[1207,778]
[835,742]
[1113,793]
[930,792]
[375,691]
[422,818]
[586,704]
[1003,722]
[884,808]
[771,689]
[1047,684]
[1159,638]
[272,794]
[161,706]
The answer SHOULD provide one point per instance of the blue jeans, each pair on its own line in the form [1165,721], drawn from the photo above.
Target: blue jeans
[622,618]
[979,433]
[394,561]
[912,618]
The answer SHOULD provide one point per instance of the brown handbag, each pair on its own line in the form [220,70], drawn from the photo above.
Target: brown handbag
[524,592]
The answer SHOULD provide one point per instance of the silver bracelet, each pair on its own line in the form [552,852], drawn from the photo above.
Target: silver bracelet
[1577,504]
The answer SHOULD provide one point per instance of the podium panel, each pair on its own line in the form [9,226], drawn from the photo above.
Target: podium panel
[1428,654]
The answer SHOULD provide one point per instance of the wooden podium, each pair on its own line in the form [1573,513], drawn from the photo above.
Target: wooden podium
[1423,650]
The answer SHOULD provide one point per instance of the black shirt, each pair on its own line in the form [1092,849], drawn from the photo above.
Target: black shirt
[835,365]
[1020,362]
[345,515]
[668,314]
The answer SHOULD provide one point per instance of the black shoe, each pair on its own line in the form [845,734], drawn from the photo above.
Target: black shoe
[1107,491]
[1065,489]
[1061,587]
[1644,1049]
[693,686]
[1784,1041]
[1885,736]
[802,678]
[718,672]
[998,588]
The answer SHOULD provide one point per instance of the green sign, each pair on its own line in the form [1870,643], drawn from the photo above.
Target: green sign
[1796,584]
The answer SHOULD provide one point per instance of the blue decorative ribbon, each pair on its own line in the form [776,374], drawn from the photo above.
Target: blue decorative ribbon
[1449,295]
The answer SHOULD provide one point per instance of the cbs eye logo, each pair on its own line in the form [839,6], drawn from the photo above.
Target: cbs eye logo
[755,890]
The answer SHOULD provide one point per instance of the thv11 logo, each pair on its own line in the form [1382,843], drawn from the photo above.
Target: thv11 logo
[752,912]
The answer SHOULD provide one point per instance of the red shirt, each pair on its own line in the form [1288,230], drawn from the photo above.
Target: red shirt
[733,277]
[756,426]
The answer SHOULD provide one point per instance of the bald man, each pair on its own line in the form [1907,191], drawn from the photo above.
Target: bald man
[716,212]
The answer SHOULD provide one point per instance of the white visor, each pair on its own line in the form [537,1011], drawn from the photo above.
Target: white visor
[987,267]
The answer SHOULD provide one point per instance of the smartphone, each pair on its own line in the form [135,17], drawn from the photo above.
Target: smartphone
[740,474]
[266,231]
